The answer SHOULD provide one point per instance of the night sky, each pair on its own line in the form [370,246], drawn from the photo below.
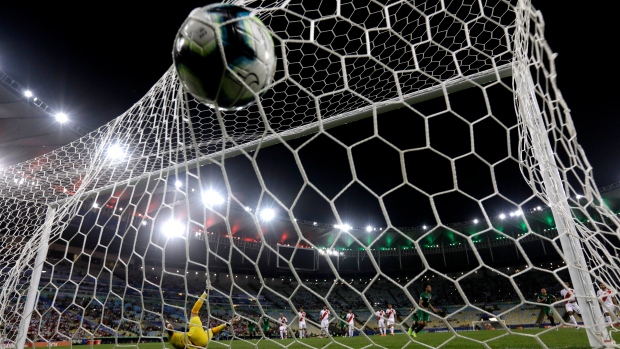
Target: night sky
[96,63]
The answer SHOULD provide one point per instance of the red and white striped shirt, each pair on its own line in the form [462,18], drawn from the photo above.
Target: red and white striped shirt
[568,295]
[324,314]
[380,314]
[350,317]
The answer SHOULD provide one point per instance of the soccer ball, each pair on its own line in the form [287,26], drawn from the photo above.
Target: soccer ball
[224,56]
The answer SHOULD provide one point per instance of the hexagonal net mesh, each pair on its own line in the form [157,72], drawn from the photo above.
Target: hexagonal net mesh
[402,143]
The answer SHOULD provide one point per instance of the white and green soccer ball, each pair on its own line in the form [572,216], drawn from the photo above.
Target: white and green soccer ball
[224,56]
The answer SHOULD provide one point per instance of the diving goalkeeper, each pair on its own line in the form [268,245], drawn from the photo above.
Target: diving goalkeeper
[196,336]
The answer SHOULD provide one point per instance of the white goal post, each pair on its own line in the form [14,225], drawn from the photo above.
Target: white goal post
[400,144]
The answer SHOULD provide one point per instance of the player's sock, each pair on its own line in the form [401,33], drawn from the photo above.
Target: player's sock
[552,321]
[218,329]
[572,319]
[199,302]
[608,319]
[419,328]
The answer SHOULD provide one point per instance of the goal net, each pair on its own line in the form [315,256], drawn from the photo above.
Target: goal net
[401,143]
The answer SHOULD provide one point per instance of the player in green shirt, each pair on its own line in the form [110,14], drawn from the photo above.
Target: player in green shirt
[425,304]
[251,326]
[265,322]
[343,322]
[546,299]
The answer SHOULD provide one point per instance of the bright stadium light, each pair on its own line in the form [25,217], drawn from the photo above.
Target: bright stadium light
[369,228]
[212,198]
[343,227]
[173,228]
[502,216]
[178,184]
[28,93]
[62,118]
[267,214]
[116,152]
[476,221]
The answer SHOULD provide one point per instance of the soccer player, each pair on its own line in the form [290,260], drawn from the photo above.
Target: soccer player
[546,299]
[251,326]
[302,322]
[343,322]
[570,303]
[414,322]
[324,317]
[609,302]
[425,303]
[283,322]
[390,312]
[196,336]
[266,327]
[381,321]
[351,322]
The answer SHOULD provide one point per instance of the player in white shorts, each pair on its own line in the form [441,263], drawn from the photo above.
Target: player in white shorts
[570,303]
[351,322]
[609,302]
[324,317]
[282,321]
[381,321]
[391,312]
[302,323]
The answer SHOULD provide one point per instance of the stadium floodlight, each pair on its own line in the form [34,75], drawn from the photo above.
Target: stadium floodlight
[61,117]
[173,228]
[424,227]
[178,184]
[369,228]
[476,221]
[267,214]
[116,152]
[343,227]
[212,198]
[502,216]
[28,93]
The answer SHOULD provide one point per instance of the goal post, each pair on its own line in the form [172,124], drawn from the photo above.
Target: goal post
[400,144]
[534,129]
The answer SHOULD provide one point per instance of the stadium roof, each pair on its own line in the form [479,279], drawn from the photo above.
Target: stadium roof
[28,127]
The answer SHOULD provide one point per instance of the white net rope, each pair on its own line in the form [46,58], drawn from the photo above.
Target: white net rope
[401,143]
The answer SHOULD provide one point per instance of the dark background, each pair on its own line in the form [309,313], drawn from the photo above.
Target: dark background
[95,63]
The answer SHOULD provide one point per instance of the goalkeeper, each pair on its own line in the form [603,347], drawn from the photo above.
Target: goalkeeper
[196,336]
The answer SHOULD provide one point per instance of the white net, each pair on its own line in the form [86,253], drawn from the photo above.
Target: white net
[401,143]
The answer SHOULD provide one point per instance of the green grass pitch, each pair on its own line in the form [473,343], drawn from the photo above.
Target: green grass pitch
[565,338]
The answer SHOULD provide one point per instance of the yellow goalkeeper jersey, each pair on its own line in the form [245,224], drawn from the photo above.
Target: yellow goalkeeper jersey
[196,336]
